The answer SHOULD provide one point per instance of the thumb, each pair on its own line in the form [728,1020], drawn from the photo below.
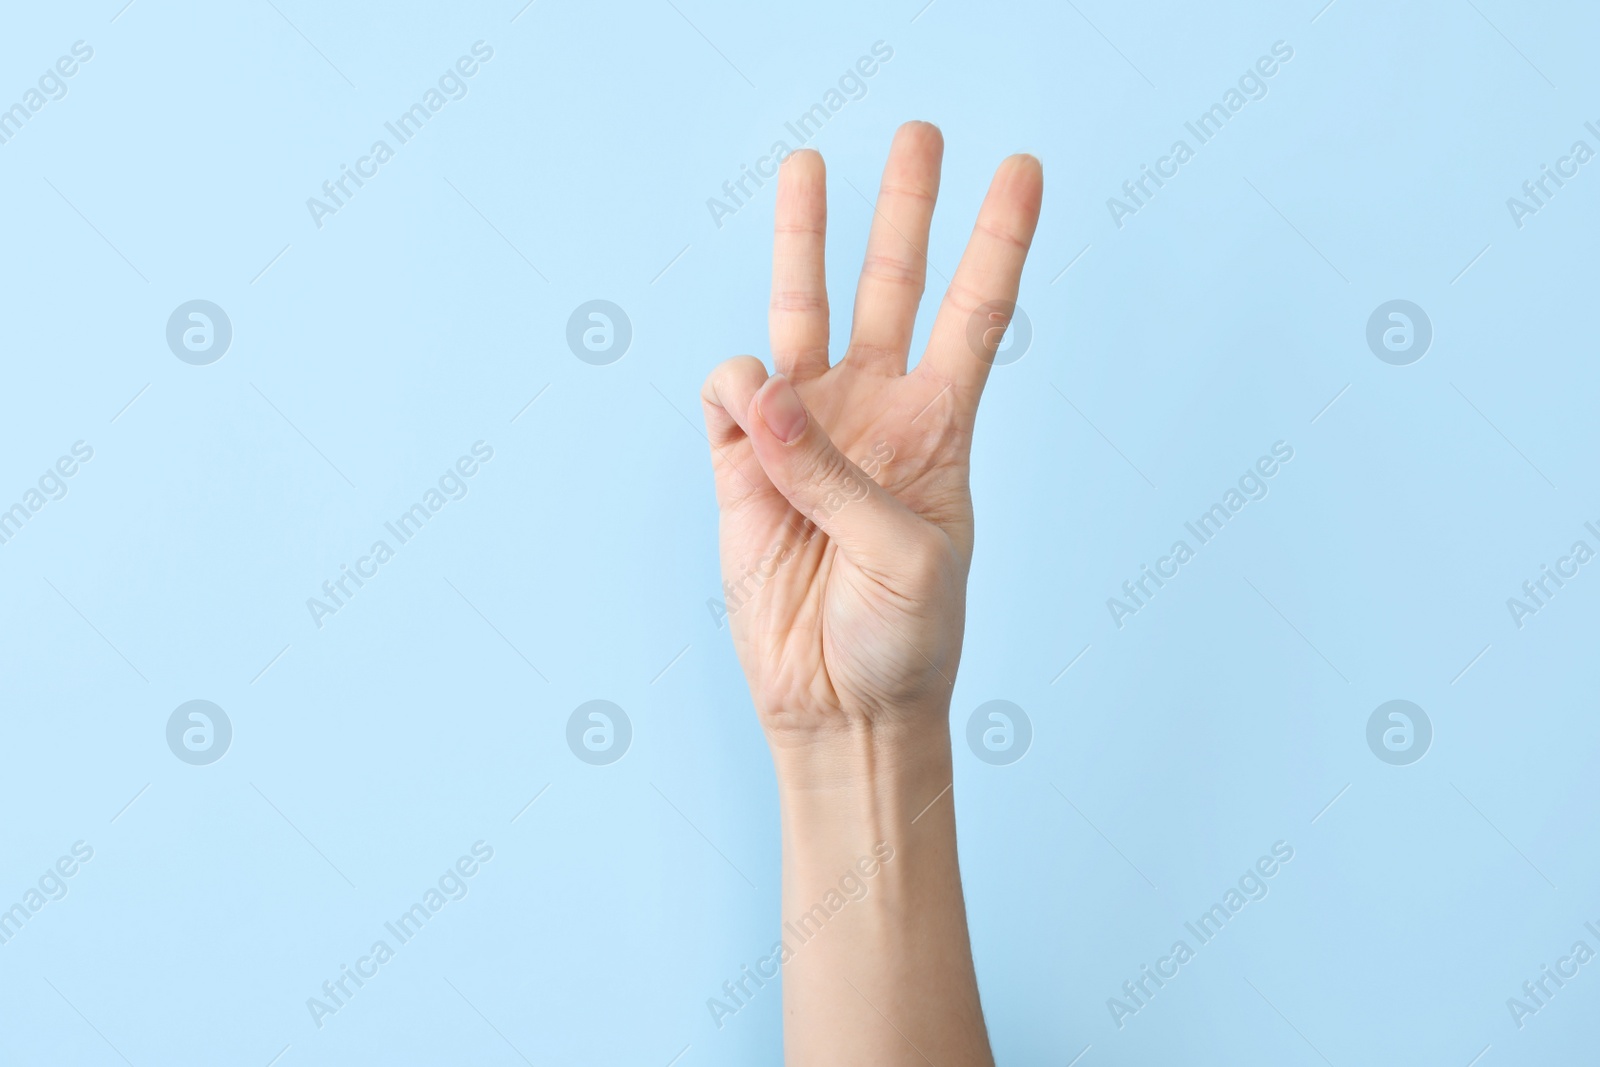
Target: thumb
[818,480]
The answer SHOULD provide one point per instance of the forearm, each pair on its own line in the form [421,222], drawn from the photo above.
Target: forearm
[879,966]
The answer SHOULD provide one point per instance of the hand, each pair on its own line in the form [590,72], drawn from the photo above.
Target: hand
[846,516]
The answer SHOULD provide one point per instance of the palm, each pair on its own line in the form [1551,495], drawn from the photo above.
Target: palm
[816,623]
[858,611]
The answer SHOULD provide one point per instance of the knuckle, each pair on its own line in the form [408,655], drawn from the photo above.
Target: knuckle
[1003,234]
[798,229]
[894,270]
[791,352]
[962,297]
[834,482]
[826,469]
[708,388]
[875,352]
[920,194]
[804,301]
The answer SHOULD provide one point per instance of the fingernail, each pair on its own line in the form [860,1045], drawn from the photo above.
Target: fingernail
[782,410]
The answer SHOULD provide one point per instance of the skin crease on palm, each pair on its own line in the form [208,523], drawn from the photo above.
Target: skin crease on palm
[856,628]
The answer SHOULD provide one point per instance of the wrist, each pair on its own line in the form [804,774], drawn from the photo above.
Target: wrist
[864,779]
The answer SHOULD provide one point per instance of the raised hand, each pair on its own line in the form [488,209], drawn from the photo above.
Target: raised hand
[846,517]
[846,540]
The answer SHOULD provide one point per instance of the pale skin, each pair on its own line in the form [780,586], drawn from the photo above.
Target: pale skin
[851,601]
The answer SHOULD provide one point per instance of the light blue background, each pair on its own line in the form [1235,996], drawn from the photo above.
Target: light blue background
[370,754]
